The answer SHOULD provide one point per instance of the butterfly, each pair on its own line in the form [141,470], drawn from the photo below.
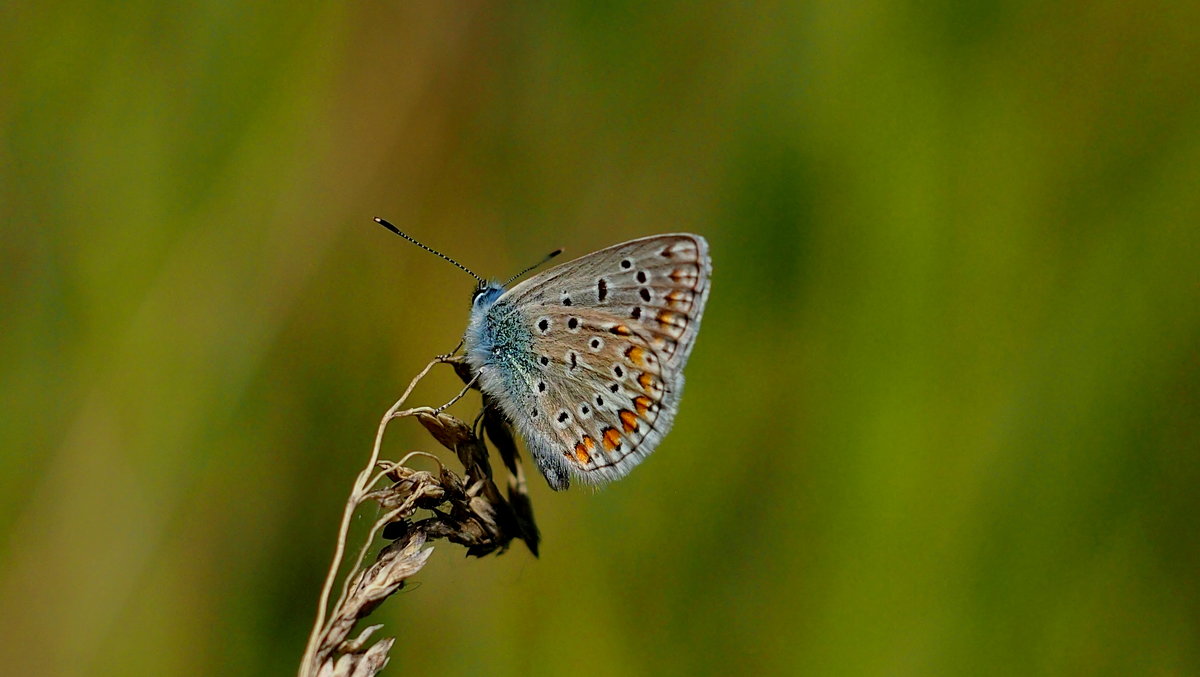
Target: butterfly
[586,359]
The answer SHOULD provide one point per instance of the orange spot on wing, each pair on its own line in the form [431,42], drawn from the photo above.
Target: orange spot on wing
[680,274]
[642,403]
[628,420]
[611,439]
[621,330]
[635,354]
[581,453]
[589,442]
[647,380]
[676,296]
[668,318]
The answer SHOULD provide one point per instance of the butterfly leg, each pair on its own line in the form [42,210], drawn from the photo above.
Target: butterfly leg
[462,393]
[452,352]
[461,368]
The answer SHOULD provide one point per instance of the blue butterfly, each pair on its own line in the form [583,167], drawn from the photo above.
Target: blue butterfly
[586,359]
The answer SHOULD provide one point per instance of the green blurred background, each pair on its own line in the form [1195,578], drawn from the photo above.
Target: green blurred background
[943,417]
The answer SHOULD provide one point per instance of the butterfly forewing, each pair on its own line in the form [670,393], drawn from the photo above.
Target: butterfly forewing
[657,285]
[611,332]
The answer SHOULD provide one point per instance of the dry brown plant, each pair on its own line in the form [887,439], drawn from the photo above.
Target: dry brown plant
[415,507]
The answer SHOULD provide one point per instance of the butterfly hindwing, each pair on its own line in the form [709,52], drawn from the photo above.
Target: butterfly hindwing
[607,404]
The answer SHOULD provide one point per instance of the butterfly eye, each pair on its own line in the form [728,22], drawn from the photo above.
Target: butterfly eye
[485,295]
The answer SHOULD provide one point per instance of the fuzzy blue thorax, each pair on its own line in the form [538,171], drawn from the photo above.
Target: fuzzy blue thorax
[498,344]
[499,349]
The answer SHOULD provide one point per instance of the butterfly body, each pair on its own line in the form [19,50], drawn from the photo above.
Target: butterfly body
[586,359]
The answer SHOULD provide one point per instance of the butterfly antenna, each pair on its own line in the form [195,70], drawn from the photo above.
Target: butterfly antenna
[549,256]
[431,250]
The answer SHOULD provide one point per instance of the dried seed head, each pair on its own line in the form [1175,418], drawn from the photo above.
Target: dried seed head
[449,431]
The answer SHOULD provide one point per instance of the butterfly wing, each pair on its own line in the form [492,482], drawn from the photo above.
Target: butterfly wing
[611,332]
[659,283]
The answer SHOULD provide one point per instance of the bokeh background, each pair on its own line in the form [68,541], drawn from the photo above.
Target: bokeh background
[943,417]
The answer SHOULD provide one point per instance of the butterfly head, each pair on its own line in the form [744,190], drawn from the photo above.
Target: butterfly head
[485,294]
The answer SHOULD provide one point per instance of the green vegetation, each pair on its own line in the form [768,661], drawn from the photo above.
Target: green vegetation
[943,417]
